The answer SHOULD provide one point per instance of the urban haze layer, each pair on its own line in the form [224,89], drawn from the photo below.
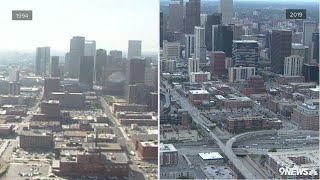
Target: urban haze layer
[88,114]
[239,90]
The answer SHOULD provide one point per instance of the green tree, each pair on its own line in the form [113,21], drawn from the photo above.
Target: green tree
[272,150]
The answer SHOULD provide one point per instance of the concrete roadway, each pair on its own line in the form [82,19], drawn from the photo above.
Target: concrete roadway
[123,140]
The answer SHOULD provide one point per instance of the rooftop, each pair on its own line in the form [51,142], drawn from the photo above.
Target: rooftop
[210,156]
[36,132]
[167,148]
[202,91]
[149,144]
[213,172]
[287,158]
[245,41]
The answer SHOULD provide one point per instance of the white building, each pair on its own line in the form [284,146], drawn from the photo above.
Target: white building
[237,74]
[193,65]
[293,65]
[13,73]
[226,8]
[200,44]
[171,50]
[189,45]
[211,158]
[134,49]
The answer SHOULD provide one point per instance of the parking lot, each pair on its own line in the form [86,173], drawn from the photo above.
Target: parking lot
[22,155]
[23,171]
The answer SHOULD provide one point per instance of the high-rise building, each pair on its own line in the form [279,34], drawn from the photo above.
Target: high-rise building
[199,44]
[280,48]
[66,63]
[203,19]
[134,49]
[161,29]
[14,74]
[193,65]
[245,53]
[311,72]
[293,65]
[189,45]
[297,37]
[86,71]
[237,30]
[116,54]
[77,44]
[89,48]
[136,70]
[176,16]
[217,62]
[14,88]
[308,29]
[213,19]
[139,93]
[301,50]
[192,17]
[315,47]
[226,9]
[51,85]
[151,76]
[101,60]
[42,61]
[55,69]
[171,50]
[222,37]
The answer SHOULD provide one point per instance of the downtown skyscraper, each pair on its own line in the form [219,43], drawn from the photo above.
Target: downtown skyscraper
[280,48]
[226,9]
[100,65]
[42,61]
[199,44]
[192,18]
[134,49]
[176,16]
[86,72]
[77,45]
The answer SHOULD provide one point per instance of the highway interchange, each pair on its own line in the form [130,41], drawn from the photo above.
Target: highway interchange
[250,146]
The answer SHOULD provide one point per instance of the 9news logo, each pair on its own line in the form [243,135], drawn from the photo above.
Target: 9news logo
[296,171]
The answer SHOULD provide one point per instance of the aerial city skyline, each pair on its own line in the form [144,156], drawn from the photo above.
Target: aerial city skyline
[239,89]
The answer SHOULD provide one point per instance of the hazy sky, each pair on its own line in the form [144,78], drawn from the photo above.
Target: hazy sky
[110,22]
